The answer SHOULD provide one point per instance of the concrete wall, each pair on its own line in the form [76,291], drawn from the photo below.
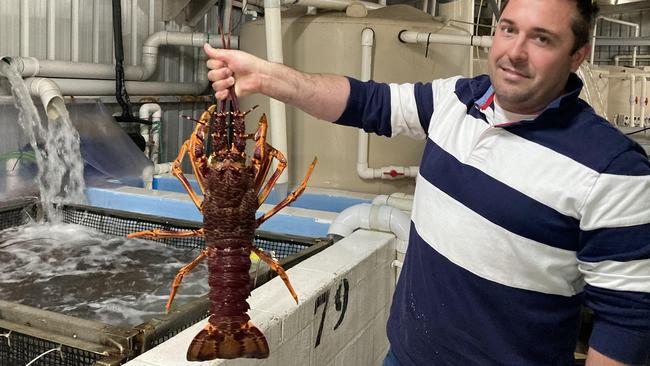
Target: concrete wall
[307,334]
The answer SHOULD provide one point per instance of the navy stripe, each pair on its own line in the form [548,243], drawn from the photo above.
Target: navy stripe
[586,138]
[631,162]
[368,107]
[443,314]
[622,327]
[466,95]
[424,102]
[498,202]
[620,244]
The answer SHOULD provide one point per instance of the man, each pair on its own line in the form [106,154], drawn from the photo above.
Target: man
[527,204]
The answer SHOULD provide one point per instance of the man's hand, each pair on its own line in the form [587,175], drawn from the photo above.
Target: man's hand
[321,95]
[226,65]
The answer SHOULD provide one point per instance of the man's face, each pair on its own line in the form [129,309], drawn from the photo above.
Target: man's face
[530,58]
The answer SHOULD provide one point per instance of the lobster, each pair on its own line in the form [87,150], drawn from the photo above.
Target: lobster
[233,189]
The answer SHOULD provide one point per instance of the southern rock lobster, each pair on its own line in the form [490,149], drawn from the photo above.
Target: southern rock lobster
[233,189]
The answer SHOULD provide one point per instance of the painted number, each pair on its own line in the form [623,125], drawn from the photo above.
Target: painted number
[340,303]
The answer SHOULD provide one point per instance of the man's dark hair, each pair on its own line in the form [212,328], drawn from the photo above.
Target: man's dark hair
[581,25]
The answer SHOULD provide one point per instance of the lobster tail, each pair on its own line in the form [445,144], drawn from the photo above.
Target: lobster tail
[246,341]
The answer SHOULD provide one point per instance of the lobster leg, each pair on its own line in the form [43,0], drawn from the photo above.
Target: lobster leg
[178,173]
[277,268]
[282,163]
[158,233]
[290,198]
[181,274]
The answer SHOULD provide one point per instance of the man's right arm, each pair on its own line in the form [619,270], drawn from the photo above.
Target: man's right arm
[323,96]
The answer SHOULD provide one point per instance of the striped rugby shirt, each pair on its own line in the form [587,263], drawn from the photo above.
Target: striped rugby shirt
[514,226]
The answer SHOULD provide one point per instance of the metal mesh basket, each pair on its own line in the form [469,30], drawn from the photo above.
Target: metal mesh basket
[26,332]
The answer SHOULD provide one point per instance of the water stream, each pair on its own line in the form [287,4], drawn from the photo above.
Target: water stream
[56,147]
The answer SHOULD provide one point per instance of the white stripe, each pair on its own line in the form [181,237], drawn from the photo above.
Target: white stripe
[540,173]
[616,201]
[489,251]
[404,117]
[620,276]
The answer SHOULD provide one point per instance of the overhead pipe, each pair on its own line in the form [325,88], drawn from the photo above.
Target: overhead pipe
[618,58]
[371,217]
[277,111]
[407,36]
[30,66]
[340,5]
[81,87]
[363,170]
[593,37]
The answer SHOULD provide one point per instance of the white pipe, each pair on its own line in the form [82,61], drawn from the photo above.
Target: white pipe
[51,29]
[277,112]
[134,32]
[398,200]
[96,31]
[151,133]
[466,40]
[363,170]
[74,34]
[612,20]
[642,101]
[618,58]
[371,217]
[81,87]
[47,91]
[152,17]
[340,5]
[30,66]
[632,95]
[24,28]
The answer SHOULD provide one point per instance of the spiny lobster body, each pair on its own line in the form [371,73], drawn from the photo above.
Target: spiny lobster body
[233,189]
[229,228]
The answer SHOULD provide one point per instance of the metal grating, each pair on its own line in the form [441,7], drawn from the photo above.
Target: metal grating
[19,349]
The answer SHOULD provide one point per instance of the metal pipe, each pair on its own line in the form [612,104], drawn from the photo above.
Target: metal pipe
[322,4]
[618,58]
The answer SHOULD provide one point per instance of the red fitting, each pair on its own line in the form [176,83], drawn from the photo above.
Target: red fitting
[393,173]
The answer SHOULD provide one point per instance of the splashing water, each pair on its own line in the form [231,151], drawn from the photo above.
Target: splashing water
[81,272]
[56,148]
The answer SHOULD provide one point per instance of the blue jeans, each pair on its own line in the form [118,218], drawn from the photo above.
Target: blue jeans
[391,359]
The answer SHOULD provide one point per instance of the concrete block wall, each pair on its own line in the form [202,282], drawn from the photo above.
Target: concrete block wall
[345,294]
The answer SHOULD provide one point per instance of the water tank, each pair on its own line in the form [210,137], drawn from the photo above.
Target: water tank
[330,42]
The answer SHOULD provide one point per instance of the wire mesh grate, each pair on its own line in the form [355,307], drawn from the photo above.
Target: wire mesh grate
[19,349]
[121,226]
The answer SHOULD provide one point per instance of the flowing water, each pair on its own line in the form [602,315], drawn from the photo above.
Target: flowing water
[56,147]
[77,271]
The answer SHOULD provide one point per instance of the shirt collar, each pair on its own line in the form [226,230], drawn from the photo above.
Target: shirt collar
[483,92]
